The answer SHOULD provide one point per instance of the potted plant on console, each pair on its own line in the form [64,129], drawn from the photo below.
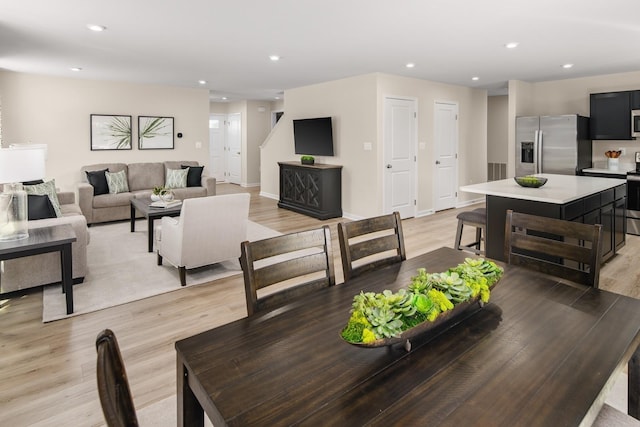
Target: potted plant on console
[307,160]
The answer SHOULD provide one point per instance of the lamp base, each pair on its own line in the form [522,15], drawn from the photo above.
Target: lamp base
[13,213]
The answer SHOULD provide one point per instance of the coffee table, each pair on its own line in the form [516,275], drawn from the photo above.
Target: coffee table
[56,238]
[151,214]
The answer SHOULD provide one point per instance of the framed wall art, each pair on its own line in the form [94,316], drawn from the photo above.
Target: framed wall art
[155,133]
[110,132]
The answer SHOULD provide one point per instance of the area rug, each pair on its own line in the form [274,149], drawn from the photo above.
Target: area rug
[121,270]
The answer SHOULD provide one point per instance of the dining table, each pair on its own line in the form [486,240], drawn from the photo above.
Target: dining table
[541,352]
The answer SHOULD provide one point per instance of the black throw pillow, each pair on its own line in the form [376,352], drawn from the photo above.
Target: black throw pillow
[39,207]
[99,181]
[36,182]
[194,177]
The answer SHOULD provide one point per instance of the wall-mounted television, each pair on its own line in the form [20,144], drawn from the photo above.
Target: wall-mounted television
[313,136]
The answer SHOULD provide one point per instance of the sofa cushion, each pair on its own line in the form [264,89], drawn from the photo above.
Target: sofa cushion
[39,207]
[98,181]
[48,188]
[117,182]
[194,177]
[176,178]
[112,200]
[145,176]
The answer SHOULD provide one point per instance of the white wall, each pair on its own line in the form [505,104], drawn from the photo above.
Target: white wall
[356,105]
[56,111]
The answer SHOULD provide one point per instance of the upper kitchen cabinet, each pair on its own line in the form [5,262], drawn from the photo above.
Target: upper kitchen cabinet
[611,115]
[635,100]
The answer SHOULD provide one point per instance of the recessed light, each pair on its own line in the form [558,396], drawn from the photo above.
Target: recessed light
[511,45]
[277,97]
[75,69]
[274,58]
[410,65]
[475,78]
[224,98]
[202,82]
[567,66]
[96,28]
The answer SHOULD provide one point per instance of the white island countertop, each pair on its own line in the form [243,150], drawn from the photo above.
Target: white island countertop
[559,189]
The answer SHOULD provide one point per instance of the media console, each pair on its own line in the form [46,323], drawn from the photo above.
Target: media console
[314,190]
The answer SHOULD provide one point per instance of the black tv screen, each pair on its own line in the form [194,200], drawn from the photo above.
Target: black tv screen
[313,136]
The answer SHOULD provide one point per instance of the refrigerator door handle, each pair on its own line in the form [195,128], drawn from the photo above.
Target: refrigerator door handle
[536,153]
[540,159]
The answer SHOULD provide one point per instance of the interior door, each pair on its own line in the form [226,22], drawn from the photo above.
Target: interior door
[399,156]
[216,146]
[446,149]
[234,148]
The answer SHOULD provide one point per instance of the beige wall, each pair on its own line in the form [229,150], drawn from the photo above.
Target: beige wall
[56,111]
[497,128]
[356,105]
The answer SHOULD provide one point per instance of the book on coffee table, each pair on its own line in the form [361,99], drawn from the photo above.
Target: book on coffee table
[163,205]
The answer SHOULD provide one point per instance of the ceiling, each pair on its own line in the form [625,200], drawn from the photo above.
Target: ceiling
[228,43]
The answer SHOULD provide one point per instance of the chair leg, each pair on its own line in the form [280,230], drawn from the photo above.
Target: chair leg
[159,259]
[478,239]
[458,236]
[183,275]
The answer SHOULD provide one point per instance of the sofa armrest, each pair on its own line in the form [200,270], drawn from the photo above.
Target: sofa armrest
[170,241]
[209,183]
[66,197]
[85,200]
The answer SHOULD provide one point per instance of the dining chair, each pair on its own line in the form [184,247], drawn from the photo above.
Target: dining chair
[371,243]
[566,249]
[292,265]
[113,386]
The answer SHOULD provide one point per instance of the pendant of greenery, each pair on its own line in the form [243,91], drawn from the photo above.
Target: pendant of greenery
[381,316]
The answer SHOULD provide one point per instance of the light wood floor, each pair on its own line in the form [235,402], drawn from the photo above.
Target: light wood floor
[47,371]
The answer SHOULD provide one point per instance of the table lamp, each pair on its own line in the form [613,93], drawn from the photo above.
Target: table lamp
[18,164]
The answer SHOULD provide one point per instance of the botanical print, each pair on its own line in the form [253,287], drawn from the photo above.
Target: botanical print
[155,132]
[110,132]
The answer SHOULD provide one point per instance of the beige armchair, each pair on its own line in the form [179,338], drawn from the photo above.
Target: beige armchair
[208,230]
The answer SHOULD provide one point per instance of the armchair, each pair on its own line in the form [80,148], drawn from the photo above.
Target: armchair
[208,230]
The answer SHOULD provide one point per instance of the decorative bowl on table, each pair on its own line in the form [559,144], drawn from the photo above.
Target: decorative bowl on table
[430,300]
[530,181]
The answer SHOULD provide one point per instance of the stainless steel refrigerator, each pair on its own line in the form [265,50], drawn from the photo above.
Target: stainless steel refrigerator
[552,144]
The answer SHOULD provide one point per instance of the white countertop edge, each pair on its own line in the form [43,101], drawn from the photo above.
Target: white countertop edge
[621,172]
[559,189]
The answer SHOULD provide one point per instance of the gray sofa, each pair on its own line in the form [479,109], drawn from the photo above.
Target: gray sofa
[37,270]
[141,178]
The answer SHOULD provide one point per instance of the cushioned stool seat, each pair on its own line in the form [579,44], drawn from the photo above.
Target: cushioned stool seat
[476,218]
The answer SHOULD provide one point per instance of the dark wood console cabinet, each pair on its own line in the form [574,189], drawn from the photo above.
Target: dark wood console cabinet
[314,190]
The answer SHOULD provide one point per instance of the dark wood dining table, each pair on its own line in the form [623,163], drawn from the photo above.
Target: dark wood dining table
[540,353]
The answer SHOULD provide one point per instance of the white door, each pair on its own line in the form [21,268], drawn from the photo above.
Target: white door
[399,156]
[216,146]
[234,146]
[446,149]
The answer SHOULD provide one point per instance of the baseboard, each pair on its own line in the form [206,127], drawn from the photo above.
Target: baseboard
[425,213]
[470,202]
[252,184]
[269,195]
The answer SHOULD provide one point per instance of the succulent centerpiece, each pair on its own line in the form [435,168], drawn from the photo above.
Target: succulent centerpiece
[379,319]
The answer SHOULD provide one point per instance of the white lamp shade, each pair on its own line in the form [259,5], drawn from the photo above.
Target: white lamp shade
[22,164]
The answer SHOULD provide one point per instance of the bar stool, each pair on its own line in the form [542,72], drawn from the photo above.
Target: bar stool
[476,218]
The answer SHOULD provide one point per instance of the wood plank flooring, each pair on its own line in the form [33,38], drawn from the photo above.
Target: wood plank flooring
[47,371]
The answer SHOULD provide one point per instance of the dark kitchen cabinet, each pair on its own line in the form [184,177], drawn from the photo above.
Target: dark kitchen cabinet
[314,190]
[611,115]
[635,100]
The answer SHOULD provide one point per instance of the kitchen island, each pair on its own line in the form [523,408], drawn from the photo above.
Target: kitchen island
[574,198]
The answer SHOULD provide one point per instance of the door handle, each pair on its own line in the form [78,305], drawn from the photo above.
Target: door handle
[437,162]
[389,166]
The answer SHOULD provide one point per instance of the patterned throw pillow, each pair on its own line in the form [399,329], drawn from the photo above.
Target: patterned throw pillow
[48,188]
[176,178]
[117,182]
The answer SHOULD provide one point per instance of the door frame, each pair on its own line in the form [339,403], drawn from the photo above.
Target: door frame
[435,154]
[223,159]
[414,152]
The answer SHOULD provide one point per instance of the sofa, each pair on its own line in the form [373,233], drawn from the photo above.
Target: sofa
[43,269]
[141,179]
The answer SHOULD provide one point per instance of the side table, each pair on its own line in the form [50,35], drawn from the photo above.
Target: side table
[56,238]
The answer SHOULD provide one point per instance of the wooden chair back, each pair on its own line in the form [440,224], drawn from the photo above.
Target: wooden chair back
[294,264]
[371,243]
[113,386]
[566,249]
